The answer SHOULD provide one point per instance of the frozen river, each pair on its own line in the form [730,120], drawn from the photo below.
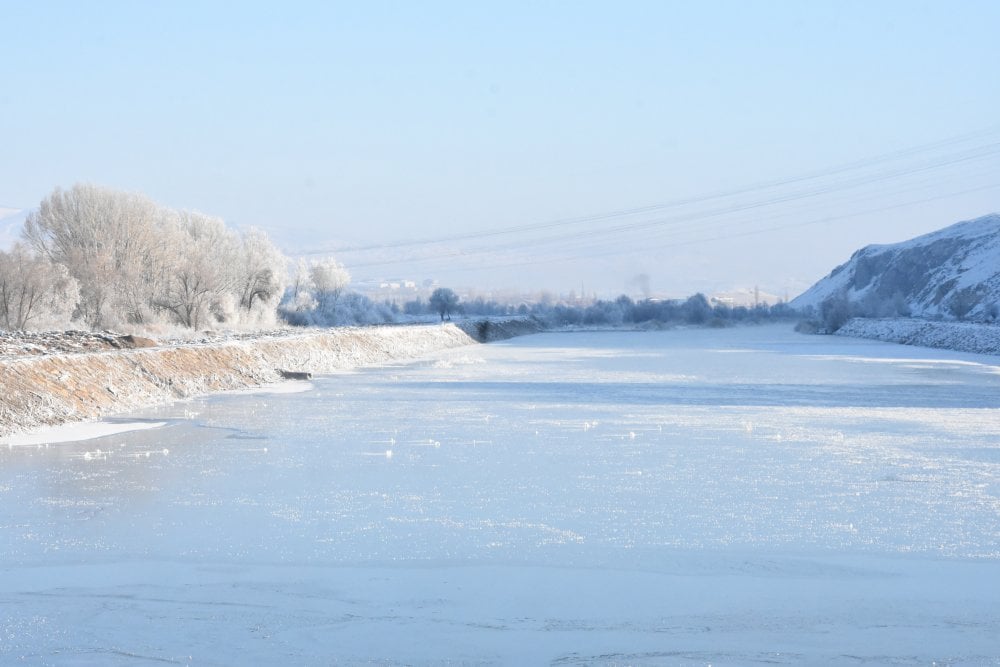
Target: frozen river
[727,497]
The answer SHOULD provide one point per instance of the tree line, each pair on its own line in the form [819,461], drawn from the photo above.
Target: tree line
[108,259]
[623,310]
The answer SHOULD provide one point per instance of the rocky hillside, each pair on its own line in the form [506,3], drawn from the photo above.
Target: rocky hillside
[952,273]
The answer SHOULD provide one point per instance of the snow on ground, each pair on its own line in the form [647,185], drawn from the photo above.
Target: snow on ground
[973,337]
[287,387]
[81,431]
[689,497]
[77,432]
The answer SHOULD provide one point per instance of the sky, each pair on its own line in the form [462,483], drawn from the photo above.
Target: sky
[678,146]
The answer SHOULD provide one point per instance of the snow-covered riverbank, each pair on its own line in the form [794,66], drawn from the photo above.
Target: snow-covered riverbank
[959,336]
[52,387]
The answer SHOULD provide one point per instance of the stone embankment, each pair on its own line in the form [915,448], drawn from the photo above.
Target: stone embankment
[492,330]
[51,379]
[973,337]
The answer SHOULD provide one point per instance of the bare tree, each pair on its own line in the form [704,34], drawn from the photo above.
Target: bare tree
[204,273]
[33,291]
[139,263]
[834,312]
[299,298]
[262,272]
[107,241]
[329,278]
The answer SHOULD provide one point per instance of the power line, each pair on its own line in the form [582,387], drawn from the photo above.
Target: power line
[666,224]
[709,239]
[763,186]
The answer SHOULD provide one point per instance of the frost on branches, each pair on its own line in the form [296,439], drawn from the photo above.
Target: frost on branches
[110,259]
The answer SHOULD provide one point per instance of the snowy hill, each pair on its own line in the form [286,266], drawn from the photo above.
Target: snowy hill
[11,223]
[953,272]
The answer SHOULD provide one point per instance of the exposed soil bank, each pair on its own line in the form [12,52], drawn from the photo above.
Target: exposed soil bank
[52,389]
[960,336]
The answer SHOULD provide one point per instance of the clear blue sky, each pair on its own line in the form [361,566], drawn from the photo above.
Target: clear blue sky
[343,124]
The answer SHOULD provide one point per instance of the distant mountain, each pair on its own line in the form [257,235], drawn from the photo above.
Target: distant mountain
[953,272]
[11,224]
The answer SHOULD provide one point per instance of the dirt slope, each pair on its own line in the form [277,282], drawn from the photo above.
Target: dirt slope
[46,388]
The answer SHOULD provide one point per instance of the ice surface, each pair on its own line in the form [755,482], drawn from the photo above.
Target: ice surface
[742,496]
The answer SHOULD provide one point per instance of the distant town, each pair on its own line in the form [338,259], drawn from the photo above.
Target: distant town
[400,290]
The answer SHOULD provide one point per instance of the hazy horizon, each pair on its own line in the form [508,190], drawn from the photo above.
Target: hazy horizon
[559,147]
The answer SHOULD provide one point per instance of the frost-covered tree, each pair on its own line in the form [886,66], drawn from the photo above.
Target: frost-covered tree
[138,263]
[697,309]
[317,296]
[601,313]
[261,274]
[109,241]
[34,292]
[444,302]
[834,312]
[299,295]
[204,275]
[414,307]
[328,278]
[219,276]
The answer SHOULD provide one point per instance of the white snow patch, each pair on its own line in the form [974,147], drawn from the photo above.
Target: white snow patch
[972,337]
[289,387]
[76,432]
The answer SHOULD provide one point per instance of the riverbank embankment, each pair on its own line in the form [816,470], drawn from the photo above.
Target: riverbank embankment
[972,337]
[59,387]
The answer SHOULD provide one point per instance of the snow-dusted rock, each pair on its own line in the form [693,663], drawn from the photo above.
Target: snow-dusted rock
[489,330]
[961,336]
[938,274]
